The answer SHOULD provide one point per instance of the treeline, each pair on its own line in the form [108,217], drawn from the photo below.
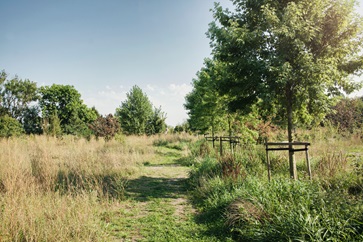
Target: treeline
[59,110]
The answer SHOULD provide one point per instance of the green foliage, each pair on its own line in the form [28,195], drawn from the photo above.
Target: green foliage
[180,128]
[32,122]
[17,94]
[106,127]
[234,191]
[347,114]
[52,125]
[156,122]
[10,127]
[74,116]
[292,56]
[206,108]
[136,114]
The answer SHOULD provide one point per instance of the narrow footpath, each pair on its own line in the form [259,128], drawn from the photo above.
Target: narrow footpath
[157,208]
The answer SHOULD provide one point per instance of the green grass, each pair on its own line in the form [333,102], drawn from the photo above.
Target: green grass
[171,188]
[157,205]
[249,208]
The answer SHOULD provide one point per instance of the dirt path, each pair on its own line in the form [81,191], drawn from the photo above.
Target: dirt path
[157,207]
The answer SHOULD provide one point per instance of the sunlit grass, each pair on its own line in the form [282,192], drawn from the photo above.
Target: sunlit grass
[252,209]
[55,189]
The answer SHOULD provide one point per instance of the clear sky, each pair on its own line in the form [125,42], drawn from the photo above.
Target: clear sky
[103,48]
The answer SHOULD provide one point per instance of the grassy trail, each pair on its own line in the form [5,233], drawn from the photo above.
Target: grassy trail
[156,206]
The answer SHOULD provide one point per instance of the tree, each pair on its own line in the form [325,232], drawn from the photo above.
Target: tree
[65,102]
[17,94]
[3,77]
[135,112]
[206,107]
[18,99]
[156,122]
[106,127]
[292,56]
[52,126]
[32,122]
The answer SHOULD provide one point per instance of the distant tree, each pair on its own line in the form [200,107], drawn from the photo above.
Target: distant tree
[178,129]
[184,127]
[32,122]
[291,56]
[347,114]
[135,112]
[9,126]
[18,99]
[3,77]
[156,122]
[16,96]
[64,101]
[106,127]
[52,125]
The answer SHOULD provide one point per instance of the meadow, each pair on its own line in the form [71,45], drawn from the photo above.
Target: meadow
[177,188]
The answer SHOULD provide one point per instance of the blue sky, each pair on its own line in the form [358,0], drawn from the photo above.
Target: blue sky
[103,48]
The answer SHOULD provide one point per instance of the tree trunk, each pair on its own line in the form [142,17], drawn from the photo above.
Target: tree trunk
[292,162]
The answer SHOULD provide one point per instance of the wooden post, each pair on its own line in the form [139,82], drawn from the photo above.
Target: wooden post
[268,164]
[220,146]
[308,162]
[292,162]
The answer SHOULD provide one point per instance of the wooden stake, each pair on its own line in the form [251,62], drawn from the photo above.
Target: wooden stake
[268,164]
[308,162]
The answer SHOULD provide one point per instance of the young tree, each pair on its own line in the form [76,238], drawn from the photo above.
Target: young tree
[52,125]
[135,112]
[206,107]
[156,122]
[291,55]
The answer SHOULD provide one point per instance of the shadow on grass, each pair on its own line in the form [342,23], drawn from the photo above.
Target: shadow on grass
[146,188]
[111,185]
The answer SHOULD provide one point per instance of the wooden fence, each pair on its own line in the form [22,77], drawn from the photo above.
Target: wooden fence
[232,140]
[271,146]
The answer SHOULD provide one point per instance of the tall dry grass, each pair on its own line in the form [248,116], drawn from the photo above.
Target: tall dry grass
[55,189]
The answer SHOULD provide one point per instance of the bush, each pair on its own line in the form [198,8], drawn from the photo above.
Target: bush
[10,127]
[106,127]
[347,114]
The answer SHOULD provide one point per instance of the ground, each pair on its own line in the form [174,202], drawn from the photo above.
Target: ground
[156,206]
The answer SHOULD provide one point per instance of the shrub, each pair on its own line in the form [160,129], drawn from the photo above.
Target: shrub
[10,127]
[106,127]
[347,114]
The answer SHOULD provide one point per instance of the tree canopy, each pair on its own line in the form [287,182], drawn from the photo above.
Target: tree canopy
[65,102]
[16,95]
[206,107]
[137,116]
[290,56]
